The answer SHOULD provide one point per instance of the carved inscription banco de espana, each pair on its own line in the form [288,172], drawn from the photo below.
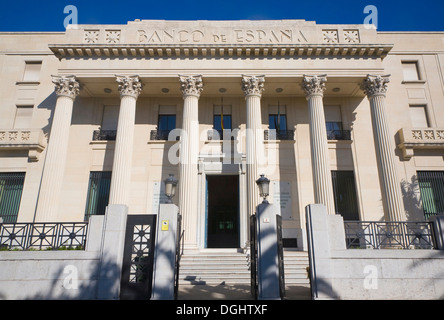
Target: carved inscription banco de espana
[261,36]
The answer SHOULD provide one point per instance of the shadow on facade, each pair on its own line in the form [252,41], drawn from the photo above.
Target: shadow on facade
[80,283]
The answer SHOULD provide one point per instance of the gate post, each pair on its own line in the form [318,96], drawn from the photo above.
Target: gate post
[164,270]
[111,256]
[268,252]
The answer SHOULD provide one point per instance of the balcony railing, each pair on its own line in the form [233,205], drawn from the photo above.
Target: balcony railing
[388,235]
[226,134]
[338,135]
[99,135]
[278,134]
[161,135]
[43,236]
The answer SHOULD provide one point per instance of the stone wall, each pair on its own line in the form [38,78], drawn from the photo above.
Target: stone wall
[367,274]
[93,273]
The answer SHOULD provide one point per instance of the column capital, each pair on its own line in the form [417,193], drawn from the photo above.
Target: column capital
[375,85]
[314,85]
[191,85]
[129,86]
[253,85]
[66,86]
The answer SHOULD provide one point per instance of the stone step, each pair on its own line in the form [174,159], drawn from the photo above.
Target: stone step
[231,267]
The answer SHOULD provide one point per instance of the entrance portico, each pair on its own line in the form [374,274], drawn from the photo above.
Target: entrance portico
[201,78]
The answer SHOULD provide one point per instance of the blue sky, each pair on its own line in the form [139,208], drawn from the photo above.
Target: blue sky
[42,15]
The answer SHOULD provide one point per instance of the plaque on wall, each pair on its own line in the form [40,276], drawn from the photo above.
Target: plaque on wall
[282,197]
[158,196]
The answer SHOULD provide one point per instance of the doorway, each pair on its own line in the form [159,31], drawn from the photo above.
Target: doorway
[222,211]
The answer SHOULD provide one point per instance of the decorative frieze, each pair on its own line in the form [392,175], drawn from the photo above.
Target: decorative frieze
[314,85]
[375,85]
[32,140]
[419,138]
[191,85]
[129,86]
[66,86]
[253,85]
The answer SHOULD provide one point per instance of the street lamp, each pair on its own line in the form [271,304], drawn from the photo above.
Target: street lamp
[170,187]
[263,183]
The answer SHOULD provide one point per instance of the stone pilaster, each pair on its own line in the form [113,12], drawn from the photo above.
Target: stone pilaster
[375,87]
[129,89]
[66,89]
[314,87]
[253,86]
[191,87]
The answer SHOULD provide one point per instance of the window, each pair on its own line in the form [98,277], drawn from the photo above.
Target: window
[23,117]
[418,116]
[431,188]
[410,71]
[98,193]
[11,186]
[344,191]
[166,123]
[277,122]
[32,71]
[333,123]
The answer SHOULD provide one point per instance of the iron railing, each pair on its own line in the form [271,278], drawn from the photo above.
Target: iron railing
[389,235]
[109,135]
[278,134]
[226,134]
[161,135]
[43,236]
[338,135]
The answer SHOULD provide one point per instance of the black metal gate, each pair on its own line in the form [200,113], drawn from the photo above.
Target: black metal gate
[253,255]
[280,255]
[138,257]
[179,237]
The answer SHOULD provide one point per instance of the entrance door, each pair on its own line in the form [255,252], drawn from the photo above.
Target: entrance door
[222,211]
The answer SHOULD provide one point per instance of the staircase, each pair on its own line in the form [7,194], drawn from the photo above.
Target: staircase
[296,268]
[214,267]
[225,274]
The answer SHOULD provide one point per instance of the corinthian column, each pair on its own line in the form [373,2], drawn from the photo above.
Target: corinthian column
[314,87]
[67,89]
[253,86]
[191,87]
[375,87]
[129,89]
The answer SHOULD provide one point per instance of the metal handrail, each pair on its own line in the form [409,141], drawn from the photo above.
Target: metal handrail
[389,234]
[43,236]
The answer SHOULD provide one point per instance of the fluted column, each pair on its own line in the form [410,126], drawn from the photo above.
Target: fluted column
[253,86]
[375,87]
[191,87]
[67,89]
[314,87]
[129,89]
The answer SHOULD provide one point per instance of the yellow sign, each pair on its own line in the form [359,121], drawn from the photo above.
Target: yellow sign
[165,225]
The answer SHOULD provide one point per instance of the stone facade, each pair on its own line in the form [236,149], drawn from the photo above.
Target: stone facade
[310,73]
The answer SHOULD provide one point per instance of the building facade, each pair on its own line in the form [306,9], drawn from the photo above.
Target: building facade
[341,115]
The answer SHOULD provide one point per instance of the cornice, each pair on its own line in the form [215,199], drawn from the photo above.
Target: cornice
[86,51]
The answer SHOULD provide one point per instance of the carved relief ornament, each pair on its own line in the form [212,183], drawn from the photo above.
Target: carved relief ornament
[375,85]
[66,86]
[129,86]
[191,85]
[314,85]
[253,85]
